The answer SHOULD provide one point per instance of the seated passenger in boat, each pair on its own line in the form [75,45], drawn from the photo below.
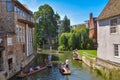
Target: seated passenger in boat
[62,67]
[31,69]
[37,68]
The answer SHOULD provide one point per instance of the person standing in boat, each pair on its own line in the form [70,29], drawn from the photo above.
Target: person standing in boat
[50,57]
[49,60]
[67,62]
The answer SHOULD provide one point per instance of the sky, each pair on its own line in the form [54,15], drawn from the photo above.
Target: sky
[76,10]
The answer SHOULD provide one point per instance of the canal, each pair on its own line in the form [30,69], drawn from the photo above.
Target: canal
[79,70]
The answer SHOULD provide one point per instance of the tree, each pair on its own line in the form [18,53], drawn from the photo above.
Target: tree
[77,38]
[47,26]
[66,25]
[71,42]
[63,41]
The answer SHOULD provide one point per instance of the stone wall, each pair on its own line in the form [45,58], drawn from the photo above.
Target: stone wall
[14,49]
[106,64]
[7,19]
[89,62]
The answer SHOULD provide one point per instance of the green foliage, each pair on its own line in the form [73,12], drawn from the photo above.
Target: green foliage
[61,48]
[98,71]
[47,27]
[66,25]
[71,42]
[35,39]
[77,38]
[63,40]
[114,74]
[109,74]
[88,53]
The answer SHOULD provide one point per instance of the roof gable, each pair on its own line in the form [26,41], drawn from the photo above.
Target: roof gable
[112,9]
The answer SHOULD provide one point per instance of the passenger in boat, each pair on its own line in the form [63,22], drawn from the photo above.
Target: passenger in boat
[62,67]
[31,69]
[37,68]
[50,57]
[46,61]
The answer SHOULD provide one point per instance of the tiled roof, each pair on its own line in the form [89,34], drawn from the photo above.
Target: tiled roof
[112,9]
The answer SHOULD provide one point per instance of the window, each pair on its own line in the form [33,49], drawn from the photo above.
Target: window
[113,26]
[17,28]
[10,63]
[20,34]
[15,9]
[23,47]
[9,6]
[6,0]
[17,33]
[116,50]
[9,41]
[3,0]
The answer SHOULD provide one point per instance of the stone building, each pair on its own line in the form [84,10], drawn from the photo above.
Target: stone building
[16,23]
[109,35]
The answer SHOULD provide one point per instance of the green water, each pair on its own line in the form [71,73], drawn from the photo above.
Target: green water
[79,71]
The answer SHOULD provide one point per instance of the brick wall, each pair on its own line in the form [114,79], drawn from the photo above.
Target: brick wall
[93,28]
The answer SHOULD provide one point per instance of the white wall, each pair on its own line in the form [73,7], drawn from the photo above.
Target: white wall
[106,40]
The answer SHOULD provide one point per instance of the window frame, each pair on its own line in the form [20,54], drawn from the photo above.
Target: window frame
[8,2]
[113,26]
[117,50]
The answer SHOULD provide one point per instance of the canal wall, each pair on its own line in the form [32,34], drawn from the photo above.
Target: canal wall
[109,70]
[90,62]
[25,64]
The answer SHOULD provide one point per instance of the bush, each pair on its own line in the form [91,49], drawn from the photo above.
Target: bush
[76,39]
[114,74]
[61,48]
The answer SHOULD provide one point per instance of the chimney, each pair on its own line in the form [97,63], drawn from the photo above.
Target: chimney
[91,16]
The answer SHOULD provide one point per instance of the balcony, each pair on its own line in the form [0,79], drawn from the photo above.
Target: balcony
[25,19]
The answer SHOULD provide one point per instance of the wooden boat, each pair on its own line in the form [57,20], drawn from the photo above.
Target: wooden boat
[31,73]
[60,51]
[63,70]
[76,56]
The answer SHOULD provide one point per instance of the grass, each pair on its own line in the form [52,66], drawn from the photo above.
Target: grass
[88,53]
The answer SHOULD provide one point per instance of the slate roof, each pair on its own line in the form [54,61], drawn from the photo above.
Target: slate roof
[112,9]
